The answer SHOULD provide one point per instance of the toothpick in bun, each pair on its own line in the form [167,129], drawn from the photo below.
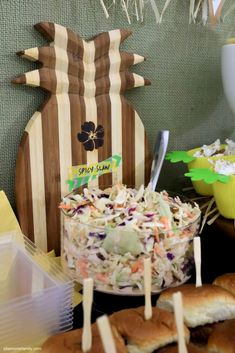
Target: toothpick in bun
[202,305]
[145,336]
[72,342]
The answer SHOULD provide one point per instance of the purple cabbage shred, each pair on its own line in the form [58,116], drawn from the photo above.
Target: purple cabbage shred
[97,235]
[170,256]
[78,209]
[131,210]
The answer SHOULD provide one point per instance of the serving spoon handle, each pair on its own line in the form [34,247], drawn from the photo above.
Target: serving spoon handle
[160,149]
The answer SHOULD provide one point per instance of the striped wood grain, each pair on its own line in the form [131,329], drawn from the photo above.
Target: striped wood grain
[86,81]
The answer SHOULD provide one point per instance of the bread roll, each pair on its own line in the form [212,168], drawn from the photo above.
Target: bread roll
[191,348]
[226,281]
[222,339]
[70,342]
[145,336]
[202,305]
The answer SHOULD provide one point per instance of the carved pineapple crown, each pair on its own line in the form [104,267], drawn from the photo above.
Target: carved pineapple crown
[75,66]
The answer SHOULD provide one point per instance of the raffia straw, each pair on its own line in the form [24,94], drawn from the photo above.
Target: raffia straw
[205,205]
[214,17]
[197,9]
[141,7]
[167,3]
[205,216]
[213,219]
[136,11]
[155,10]
[104,9]
[126,11]
[219,10]
[211,212]
[232,7]
[199,198]
[132,8]
[191,11]
[188,188]
[204,12]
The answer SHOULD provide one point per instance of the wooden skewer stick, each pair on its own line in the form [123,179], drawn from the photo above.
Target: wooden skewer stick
[87,305]
[179,319]
[106,334]
[197,260]
[147,289]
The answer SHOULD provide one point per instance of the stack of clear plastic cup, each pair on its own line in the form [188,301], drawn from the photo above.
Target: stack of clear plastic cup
[36,297]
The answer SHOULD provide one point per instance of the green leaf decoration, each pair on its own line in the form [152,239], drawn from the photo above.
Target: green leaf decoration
[207,175]
[179,156]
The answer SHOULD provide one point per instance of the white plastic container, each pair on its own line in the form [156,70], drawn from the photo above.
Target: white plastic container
[36,297]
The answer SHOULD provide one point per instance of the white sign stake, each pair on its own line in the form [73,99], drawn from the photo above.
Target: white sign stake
[106,334]
[179,319]
[147,289]
[197,260]
[87,305]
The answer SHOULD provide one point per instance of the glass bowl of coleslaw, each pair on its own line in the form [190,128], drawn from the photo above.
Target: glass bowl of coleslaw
[107,234]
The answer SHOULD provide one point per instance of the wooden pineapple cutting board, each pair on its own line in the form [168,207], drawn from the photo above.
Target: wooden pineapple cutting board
[85,119]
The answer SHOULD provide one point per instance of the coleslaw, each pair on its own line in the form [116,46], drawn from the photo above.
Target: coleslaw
[217,149]
[108,233]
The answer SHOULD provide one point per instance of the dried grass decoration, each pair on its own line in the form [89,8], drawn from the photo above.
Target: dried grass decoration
[199,10]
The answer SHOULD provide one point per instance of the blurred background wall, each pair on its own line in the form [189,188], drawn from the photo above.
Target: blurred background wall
[182,62]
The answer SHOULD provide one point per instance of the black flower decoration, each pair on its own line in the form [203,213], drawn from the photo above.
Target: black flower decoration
[91,137]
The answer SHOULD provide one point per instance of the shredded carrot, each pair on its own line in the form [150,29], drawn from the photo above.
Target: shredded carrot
[138,265]
[188,213]
[64,206]
[118,205]
[156,234]
[82,266]
[102,277]
[158,250]
[84,202]
[164,220]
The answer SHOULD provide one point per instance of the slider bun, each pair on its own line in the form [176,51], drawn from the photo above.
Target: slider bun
[202,305]
[222,339]
[200,334]
[71,341]
[226,281]
[191,348]
[144,336]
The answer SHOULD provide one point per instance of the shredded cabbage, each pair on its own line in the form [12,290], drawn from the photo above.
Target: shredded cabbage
[108,233]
